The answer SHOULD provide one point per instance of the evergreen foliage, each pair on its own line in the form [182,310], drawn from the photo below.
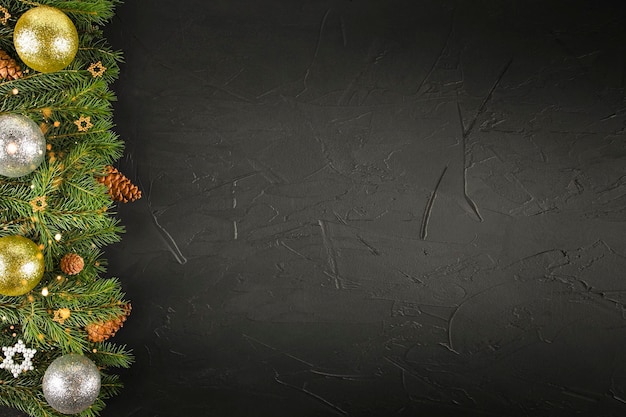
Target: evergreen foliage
[63,198]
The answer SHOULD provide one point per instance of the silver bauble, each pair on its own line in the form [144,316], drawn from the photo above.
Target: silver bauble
[22,145]
[71,383]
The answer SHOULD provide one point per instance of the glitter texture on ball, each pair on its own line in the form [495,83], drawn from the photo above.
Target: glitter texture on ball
[45,39]
[22,145]
[71,383]
[21,265]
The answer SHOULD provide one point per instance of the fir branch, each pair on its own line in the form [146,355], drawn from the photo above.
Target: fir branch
[22,398]
[63,208]
[114,356]
[81,11]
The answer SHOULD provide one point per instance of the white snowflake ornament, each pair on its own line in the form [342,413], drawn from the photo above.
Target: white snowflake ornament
[9,364]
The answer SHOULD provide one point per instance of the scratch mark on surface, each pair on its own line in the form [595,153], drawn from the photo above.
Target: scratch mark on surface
[467,131]
[372,249]
[563,254]
[404,387]
[312,174]
[441,53]
[404,368]
[544,157]
[226,182]
[169,241]
[342,376]
[580,395]
[372,57]
[295,252]
[325,151]
[616,398]
[304,389]
[332,255]
[344,32]
[149,353]
[232,77]
[411,277]
[341,219]
[387,159]
[468,199]
[270,176]
[233,195]
[523,188]
[234,206]
[345,283]
[315,52]
[150,49]
[351,119]
[429,382]
[488,98]
[454,405]
[429,206]
[255,340]
[449,344]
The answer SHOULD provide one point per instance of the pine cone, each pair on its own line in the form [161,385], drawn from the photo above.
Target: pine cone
[9,69]
[120,187]
[72,263]
[101,331]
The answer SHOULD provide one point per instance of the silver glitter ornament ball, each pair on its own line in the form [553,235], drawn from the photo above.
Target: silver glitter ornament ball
[71,383]
[22,145]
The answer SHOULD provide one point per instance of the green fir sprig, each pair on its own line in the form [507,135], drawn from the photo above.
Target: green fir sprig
[63,208]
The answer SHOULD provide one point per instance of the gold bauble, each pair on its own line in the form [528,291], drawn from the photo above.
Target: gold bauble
[45,39]
[21,265]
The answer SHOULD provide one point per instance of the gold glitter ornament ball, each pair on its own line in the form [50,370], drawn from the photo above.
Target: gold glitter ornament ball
[21,265]
[45,39]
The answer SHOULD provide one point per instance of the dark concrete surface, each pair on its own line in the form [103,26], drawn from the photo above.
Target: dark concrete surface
[373,208]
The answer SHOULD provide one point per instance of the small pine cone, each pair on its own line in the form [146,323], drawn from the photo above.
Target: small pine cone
[120,187]
[9,69]
[72,263]
[101,331]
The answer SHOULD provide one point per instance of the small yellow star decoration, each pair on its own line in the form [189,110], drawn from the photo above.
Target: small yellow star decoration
[84,123]
[61,315]
[39,203]
[96,69]
[5,15]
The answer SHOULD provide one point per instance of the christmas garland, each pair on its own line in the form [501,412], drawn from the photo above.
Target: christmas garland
[57,192]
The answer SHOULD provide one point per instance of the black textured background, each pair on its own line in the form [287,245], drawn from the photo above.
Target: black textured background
[373,208]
